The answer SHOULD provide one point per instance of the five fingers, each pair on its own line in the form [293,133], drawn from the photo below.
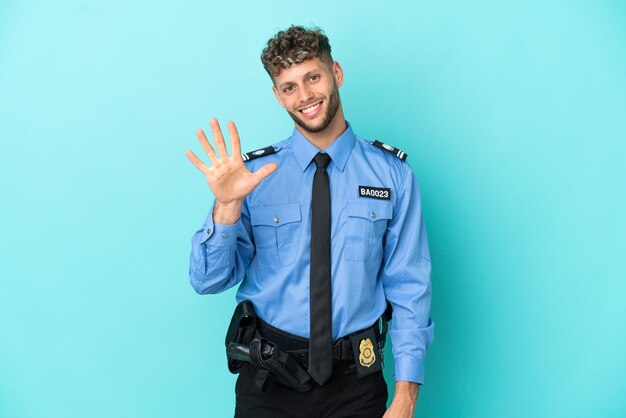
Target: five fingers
[235,146]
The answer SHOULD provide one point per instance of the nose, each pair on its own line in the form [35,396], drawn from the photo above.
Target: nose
[305,94]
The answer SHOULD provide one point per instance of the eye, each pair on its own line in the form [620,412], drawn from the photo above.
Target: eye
[287,89]
[314,77]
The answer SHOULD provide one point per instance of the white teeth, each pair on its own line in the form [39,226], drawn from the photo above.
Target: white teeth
[311,109]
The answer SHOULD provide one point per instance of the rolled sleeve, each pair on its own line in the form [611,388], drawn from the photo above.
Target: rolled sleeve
[406,280]
[410,368]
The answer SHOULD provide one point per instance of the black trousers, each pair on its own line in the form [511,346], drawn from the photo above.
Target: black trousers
[343,395]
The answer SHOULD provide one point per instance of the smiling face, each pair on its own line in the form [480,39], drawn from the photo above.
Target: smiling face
[309,92]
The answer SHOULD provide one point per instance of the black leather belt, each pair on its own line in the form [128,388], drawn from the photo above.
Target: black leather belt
[342,349]
[282,356]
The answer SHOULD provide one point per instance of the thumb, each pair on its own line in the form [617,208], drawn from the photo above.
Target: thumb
[265,171]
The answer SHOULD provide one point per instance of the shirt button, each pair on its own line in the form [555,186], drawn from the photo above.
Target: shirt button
[208,231]
[373,215]
[224,235]
[276,219]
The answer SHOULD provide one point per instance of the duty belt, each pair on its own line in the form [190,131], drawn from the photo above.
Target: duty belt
[245,344]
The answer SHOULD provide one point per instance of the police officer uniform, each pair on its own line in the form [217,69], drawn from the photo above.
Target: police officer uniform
[379,254]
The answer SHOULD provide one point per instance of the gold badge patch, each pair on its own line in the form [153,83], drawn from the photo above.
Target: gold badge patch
[366,353]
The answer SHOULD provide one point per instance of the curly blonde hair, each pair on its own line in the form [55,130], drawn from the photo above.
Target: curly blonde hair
[293,46]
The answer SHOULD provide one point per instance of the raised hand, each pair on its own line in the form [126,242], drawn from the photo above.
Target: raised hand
[229,179]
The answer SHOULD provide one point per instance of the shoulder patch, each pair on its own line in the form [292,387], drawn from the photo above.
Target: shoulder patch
[258,153]
[395,151]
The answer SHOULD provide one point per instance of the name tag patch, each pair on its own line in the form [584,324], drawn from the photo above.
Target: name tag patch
[381,193]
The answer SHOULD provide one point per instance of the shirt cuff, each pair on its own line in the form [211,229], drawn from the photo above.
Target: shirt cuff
[220,235]
[409,369]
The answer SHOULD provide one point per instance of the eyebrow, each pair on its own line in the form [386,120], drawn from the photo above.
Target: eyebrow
[316,70]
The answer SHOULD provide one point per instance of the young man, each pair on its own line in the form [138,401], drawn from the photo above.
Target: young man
[322,230]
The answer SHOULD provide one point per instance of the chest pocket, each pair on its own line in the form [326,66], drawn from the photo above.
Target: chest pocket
[276,231]
[365,228]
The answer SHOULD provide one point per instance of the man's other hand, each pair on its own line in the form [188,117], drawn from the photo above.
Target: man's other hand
[404,400]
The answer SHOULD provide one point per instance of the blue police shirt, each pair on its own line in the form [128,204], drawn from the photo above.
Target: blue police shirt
[379,248]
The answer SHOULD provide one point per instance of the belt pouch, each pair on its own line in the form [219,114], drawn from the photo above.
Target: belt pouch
[365,350]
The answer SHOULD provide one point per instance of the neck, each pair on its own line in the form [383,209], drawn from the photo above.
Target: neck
[325,138]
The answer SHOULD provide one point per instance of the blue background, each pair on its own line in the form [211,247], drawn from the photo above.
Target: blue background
[514,118]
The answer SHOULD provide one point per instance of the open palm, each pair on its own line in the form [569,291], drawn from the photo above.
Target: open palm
[229,179]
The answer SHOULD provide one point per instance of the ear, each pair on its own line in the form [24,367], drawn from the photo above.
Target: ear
[338,73]
[275,90]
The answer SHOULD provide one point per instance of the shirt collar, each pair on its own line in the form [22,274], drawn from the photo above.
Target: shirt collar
[339,150]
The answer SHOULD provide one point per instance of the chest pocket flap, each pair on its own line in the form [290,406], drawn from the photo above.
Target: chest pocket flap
[365,228]
[275,215]
[370,209]
[277,230]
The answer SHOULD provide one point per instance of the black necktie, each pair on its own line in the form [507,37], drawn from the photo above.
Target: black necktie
[320,342]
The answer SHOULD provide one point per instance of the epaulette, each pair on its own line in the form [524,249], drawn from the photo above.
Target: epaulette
[258,153]
[395,151]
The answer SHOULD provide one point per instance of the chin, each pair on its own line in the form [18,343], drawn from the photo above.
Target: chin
[315,126]
[319,127]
